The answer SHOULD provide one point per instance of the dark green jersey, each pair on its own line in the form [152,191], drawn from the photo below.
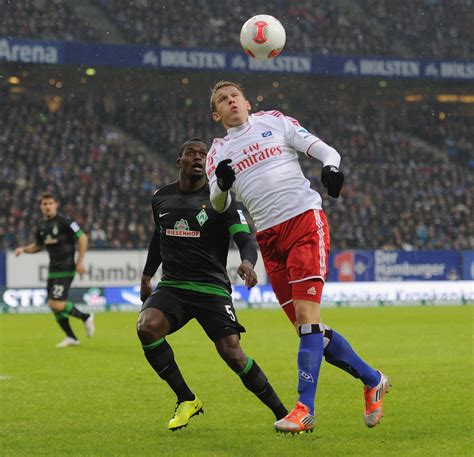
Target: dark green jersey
[194,238]
[58,235]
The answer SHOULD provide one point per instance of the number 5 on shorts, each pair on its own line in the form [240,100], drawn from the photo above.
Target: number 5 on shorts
[228,308]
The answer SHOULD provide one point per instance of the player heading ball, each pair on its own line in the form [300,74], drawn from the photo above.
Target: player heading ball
[292,233]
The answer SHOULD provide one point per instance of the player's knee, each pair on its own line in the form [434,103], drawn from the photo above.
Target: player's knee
[146,329]
[152,325]
[306,300]
[56,306]
[231,352]
[307,311]
[236,361]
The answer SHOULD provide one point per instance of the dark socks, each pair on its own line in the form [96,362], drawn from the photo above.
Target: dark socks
[254,379]
[63,321]
[64,324]
[161,357]
[71,310]
[79,314]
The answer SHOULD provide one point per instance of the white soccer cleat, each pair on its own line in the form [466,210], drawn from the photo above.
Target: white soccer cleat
[67,342]
[89,324]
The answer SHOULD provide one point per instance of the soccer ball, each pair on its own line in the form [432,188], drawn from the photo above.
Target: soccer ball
[262,37]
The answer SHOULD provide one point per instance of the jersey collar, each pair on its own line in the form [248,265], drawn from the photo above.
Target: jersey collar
[236,132]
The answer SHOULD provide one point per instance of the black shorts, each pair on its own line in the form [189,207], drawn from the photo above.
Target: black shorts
[58,289]
[215,313]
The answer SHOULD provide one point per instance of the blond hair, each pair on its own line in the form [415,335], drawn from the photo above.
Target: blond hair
[219,85]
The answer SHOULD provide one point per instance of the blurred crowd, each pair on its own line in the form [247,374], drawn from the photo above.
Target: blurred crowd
[401,192]
[101,181]
[454,133]
[424,28]
[45,20]
[405,28]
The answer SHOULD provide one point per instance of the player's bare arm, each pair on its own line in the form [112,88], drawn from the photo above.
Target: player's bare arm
[83,242]
[247,273]
[146,288]
[28,249]
[153,261]
[248,255]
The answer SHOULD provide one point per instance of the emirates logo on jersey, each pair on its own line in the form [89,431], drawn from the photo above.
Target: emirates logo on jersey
[254,154]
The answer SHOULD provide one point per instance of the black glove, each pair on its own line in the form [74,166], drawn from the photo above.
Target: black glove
[225,175]
[332,180]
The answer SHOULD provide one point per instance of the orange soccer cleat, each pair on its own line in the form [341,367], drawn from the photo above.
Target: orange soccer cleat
[373,401]
[297,421]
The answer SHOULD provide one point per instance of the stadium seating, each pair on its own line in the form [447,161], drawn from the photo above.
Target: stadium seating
[375,27]
[405,183]
[101,180]
[45,20]
[363,27]
[400,192]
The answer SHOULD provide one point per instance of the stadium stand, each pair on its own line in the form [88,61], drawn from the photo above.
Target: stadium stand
[101,179]
[374,27]
[45,20]
[424,28]
[103,164]
[453,132]
[401,192]
[362,27]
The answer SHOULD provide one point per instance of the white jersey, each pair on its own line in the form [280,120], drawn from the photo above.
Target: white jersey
[269,180]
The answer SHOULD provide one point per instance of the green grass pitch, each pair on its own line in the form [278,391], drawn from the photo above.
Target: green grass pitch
[102,398]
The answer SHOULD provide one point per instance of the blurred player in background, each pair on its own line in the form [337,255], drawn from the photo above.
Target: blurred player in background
[258,160]
[191,241]
[58,235]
